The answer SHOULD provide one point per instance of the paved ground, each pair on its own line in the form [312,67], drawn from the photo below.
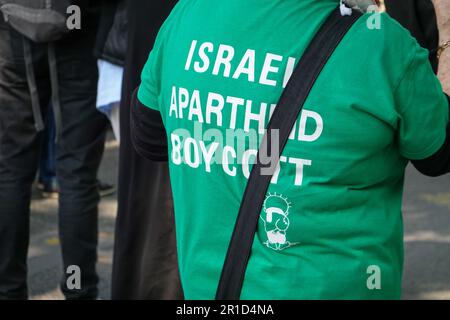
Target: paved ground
[427,238]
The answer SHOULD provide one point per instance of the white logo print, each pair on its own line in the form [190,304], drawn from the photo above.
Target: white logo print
[276,221]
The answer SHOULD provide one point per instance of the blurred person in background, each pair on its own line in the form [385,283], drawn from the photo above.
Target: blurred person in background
[78,151]
[145,262]
[111,54]
[47,183]
[111,49]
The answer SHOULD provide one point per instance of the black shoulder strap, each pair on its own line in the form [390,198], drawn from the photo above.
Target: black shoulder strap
[280,126]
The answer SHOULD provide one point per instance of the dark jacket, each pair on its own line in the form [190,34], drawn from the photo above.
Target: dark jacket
[145,259]
[112,36]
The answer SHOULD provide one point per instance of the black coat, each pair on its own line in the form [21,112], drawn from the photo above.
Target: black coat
[145,260]
[112,37]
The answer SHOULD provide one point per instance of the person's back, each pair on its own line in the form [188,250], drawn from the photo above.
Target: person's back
[332,215]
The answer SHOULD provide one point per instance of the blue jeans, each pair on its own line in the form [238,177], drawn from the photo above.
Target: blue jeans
[47,161]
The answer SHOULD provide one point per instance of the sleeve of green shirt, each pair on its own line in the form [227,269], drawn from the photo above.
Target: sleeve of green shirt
[422,108]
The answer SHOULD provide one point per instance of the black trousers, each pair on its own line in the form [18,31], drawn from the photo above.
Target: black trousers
[79,152]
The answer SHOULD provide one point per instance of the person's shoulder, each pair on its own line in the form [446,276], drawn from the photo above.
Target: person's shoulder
[381,35]
[382,27]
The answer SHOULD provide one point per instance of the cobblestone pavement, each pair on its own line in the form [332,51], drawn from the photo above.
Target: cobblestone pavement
[427,238]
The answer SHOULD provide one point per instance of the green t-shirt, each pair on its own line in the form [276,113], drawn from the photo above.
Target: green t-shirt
[331,225]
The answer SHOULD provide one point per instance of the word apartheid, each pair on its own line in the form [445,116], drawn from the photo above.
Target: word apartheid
[233,112]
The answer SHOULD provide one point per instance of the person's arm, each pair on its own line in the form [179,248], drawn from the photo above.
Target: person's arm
[148,134]
[423,115]
[439,163]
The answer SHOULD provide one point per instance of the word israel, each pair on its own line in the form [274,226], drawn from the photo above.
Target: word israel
[222,60]
[213,108]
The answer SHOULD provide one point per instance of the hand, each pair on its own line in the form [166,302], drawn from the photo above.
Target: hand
[444,70]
